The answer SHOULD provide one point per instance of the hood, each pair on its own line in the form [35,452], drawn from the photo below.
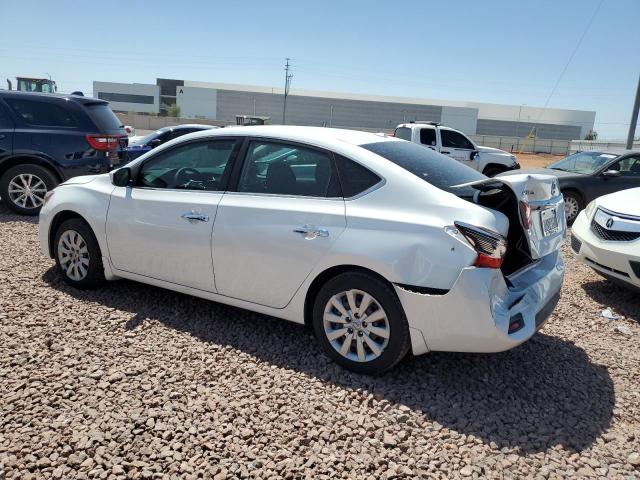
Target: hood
[626,202]
[482,149]
[540,171]
[136,147]
[80,180]
[135,140]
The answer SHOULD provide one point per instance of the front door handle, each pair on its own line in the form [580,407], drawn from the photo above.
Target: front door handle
[310,232]
[444,151]
[193,217]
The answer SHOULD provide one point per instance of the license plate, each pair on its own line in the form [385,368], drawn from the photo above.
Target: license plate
[549,221]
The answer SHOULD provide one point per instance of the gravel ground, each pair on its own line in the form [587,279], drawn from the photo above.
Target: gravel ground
[137,382]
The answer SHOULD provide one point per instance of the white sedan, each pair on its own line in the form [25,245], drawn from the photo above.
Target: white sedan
[371,240]
[606,237]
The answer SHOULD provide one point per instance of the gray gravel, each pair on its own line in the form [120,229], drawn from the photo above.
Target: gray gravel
[138,382]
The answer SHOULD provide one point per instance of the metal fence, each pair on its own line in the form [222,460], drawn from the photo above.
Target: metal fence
[525,145]
[583,145]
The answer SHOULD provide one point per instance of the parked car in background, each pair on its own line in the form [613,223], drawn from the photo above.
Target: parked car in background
[369,239]
[455,144]
[46,139]
[141,145]
[606,237]
[585,176]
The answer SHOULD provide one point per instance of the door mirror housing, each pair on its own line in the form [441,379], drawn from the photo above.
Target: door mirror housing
[475,155]
[611,173]
[121,177]
[156,142]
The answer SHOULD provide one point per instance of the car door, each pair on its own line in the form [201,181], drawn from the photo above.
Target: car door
[457,146]
[6,132]
[283,217]
[161,226]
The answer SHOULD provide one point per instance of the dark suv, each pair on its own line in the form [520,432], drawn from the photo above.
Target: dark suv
[46,139]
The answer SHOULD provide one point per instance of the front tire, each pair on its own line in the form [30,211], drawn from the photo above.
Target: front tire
[360,323]
[78,255]
[493,171]
[23,188]
[572,206]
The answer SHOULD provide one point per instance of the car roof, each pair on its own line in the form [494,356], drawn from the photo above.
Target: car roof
[193,125]
[54,96]
[321,136]
[612,151]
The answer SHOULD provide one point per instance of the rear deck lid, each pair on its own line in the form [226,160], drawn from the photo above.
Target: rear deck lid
[540,206]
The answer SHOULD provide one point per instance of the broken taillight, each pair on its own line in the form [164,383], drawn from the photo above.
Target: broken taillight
[525,214]
[489,245]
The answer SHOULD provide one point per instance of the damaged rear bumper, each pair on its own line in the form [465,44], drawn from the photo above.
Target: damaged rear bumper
[475,315]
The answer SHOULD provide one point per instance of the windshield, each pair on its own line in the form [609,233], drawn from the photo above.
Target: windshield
[437,169]
[583,162]
[152,136]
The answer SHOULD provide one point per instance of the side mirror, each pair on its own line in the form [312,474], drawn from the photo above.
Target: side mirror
[121,177]
[475,155]
[611,173]
[155,142]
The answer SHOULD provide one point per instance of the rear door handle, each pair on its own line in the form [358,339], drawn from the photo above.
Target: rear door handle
[444,151]
[193,217]
[311,232]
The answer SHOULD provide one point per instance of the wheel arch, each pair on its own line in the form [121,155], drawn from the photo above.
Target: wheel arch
[29,160]
[58,220]
[326,275]
[493,165]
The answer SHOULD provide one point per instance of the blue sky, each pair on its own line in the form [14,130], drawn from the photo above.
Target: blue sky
[502,51]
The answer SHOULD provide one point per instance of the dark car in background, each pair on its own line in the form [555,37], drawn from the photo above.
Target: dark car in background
[141,145]
[585,176]
[46,139]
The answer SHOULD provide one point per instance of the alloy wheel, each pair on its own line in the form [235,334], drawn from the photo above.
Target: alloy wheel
[73,255]
[27,190]
[356,325]
[571,208]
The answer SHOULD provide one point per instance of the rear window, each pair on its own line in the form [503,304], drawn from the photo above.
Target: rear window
[103,117]
[42,113]
[437,169]
[403,133]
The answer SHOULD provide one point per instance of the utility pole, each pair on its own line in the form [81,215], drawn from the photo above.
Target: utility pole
[287,85]
[634,118]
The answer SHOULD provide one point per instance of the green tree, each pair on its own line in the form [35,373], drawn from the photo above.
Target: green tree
[592,135]
[173,111]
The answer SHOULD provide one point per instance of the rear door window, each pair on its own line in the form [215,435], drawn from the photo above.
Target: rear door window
[428,136]
[103,117]
[5,120]
[451,139]
[403,133]
[44,114]
[437,169]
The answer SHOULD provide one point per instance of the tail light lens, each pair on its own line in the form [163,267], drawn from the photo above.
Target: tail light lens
[525,214]
[490,246]
[103,143]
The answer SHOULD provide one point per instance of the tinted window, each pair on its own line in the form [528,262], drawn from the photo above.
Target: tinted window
[42,113]
[451,139]
[194,166]
[5,120]
[428,136]
[439,170]
[628,167]
[354,178]
[403,133]
[180,132]
[278,168]
[103,117]
[126,98]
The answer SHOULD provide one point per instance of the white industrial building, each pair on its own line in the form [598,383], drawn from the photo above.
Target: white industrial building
[223,102]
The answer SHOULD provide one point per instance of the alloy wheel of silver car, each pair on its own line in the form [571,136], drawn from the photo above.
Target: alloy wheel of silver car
[571,208]
[73,255]
[356,325]
[27,190]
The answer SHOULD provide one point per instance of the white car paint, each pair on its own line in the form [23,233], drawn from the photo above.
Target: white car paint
[485,158]
[248,256]
[618,216]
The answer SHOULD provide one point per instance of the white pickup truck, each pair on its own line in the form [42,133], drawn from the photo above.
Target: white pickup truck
[455,144]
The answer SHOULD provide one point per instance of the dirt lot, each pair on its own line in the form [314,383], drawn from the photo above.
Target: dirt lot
[133,381]
[536,160]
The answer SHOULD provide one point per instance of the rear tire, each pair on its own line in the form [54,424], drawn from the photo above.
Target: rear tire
[573,204]
[366,347]
[78,255]
[23,187]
